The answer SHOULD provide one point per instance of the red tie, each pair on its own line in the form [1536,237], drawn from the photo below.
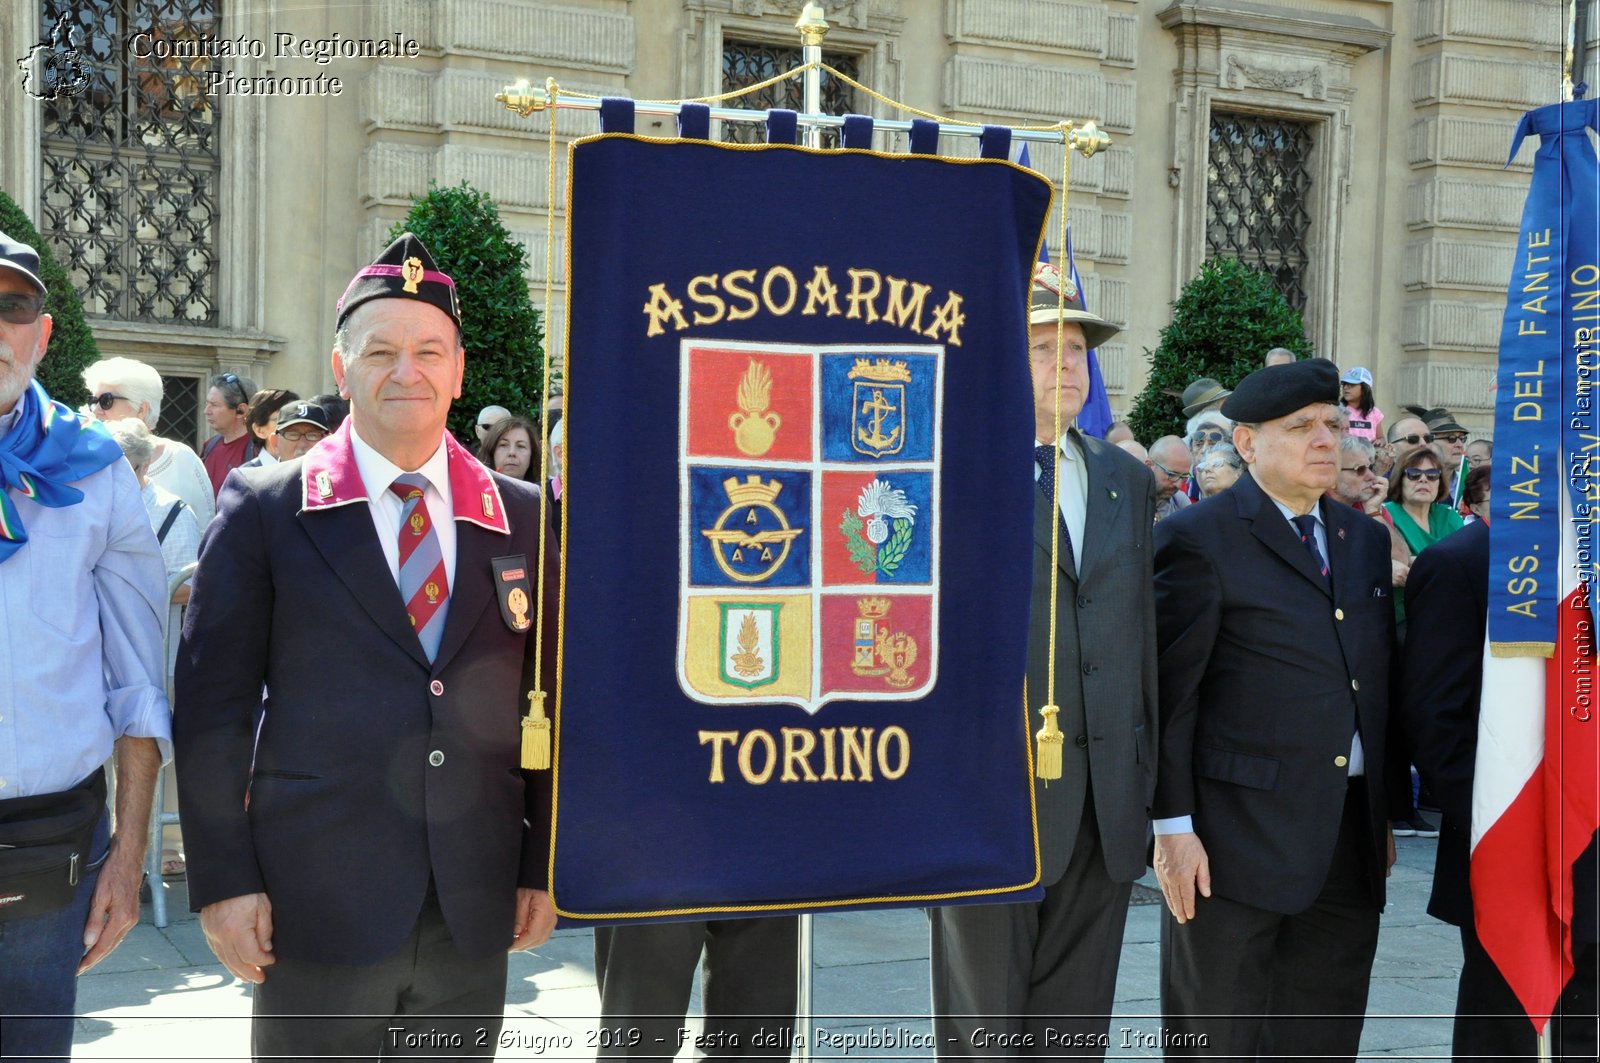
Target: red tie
[424,585]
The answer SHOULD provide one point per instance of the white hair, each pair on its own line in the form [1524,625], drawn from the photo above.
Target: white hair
[558,432]
[131,379]
[137,444]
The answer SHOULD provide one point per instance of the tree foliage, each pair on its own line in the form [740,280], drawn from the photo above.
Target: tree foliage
[1223,323]
[500,329]
[72,344]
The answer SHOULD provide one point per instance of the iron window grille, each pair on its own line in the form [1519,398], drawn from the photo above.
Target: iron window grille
[132,166]
[180,408]
[1258,197]
[748,62]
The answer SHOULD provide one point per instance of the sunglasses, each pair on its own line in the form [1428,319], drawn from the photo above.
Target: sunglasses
[1181,477]
[1416,475]
[1359,470]
[1454,437]
[232,381]
[1413,439]
[1212,436]
[20,309]
[109,399]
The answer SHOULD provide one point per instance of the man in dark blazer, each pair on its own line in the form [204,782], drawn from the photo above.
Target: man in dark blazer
[1043,975]
[1276,629]
[1441,687]
[362,842]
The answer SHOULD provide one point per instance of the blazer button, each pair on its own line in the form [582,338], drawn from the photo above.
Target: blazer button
[1355,684]
[436,688]
[1082,741]
[1083,601]
[1338,614]
[436,758]
[1088,669]
[1340,762]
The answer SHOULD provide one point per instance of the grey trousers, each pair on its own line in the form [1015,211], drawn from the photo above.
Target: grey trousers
[1035,979]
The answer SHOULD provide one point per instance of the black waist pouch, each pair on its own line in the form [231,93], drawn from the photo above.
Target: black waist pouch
[44,847]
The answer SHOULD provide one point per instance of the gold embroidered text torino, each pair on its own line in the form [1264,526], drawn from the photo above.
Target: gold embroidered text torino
[743,293]
[828,754]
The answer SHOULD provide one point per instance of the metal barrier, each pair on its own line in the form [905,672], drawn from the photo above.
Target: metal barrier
[159,816]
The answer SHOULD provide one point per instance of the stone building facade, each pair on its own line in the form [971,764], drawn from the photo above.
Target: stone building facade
[1355,147]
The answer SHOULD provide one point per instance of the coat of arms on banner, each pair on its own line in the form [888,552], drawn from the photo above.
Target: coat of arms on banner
[809,567]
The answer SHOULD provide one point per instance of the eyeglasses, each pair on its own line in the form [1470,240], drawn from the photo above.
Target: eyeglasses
[312,435]
[1211,436]
[19,308]
[1181,477]
[1416,475]
[1359,470]
[108,399]
[1413,439]
[1454,437]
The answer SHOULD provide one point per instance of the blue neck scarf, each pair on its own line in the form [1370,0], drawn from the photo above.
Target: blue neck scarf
[48,450]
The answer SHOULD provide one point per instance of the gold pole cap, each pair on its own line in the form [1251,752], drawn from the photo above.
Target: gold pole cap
[812,25]
[521,98]
[1089,139]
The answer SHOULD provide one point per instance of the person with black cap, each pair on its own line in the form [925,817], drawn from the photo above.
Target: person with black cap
[368,856]
[82,597]
[1275,632]
[1045,972]
[299,428]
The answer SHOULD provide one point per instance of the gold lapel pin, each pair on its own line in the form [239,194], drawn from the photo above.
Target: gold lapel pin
[488,503]
[324,485]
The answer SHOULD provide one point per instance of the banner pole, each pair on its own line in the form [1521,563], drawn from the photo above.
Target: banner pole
[813,27]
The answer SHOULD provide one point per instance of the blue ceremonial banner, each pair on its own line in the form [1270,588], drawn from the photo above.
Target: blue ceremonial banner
[1546,438]
[796,531]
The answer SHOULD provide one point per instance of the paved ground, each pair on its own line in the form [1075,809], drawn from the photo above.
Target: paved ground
[163,995]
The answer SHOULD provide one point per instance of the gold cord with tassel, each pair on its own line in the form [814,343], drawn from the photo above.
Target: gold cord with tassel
[536,725]
[1049,739]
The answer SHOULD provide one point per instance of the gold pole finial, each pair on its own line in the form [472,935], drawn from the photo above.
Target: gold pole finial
[812,25]
[1089,139]
[520,97]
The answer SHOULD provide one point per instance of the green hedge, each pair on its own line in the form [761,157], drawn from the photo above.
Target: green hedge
[72,345]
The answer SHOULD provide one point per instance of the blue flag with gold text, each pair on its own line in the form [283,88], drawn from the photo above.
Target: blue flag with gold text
[796,531]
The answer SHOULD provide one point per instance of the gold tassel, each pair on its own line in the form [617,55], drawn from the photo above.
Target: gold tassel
[536,735]
[1048,764]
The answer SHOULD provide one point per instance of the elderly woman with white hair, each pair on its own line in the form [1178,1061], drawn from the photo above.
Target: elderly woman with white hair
[123,387]
[1202,432]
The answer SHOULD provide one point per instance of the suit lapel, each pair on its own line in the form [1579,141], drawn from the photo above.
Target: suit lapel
[1337,518]
[469,592]
[1275,532]
[348,542]
[1105,501]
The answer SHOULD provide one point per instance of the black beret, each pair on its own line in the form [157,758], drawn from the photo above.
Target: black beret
[405,270]
[1279,390]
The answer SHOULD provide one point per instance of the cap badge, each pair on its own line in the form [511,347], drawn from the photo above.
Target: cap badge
[412,272]
[324,485]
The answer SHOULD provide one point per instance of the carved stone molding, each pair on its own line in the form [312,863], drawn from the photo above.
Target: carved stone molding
[1460,387]
[1307,81]
[1039,25]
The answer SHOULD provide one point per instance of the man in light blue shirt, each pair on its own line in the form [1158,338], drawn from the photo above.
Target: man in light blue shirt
[82,594]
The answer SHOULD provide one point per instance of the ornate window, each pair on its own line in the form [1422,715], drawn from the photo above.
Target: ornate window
[180,408]
[748,62]
[131,167]
[1259,206]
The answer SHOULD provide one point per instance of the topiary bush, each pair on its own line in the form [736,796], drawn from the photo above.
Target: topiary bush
[72,344]
[1223,324]
[500,329]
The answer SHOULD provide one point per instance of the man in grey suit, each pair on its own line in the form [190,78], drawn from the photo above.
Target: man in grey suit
[1038,978]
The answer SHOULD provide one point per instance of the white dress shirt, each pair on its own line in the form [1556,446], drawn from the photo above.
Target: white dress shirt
[1073,478]
[378,473]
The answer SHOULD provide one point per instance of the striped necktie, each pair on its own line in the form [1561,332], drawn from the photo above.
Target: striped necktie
[424,584]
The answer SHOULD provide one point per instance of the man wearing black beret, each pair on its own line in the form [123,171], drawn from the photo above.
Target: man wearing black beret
[1275,629]
[368,854]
